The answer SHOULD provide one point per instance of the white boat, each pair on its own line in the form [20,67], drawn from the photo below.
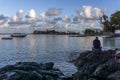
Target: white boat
[18,35]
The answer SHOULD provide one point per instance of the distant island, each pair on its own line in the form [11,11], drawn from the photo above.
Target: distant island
[87,32]
[55,32]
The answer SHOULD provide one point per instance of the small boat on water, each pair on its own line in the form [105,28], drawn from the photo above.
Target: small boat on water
[18,35]
[7,38]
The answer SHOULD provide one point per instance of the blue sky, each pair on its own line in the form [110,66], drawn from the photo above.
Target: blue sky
[9,7]
[61,14]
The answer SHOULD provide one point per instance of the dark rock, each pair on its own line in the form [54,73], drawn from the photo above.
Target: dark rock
[65,78]
[30,71]
[48,65]
[114,76]
[95,66]
[27,68]
[7,68]
[19,64]
[10,76]
[47,77]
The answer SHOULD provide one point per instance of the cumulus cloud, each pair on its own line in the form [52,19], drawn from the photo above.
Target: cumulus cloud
[97,11]
[3,19]
[31,14]
[58,19]
[19,15]
[31,17]
[66,19]
[79,13]
[87,11]
[53,12]
[42,15]
[17,19]
[88,16]
[76,19]
[14,18]
[51,18]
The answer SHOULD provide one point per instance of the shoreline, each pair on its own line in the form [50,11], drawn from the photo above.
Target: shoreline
[104,65]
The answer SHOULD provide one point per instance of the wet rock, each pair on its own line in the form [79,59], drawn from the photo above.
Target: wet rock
[7,68]
[48,66]
[47,77]
[114,76]
[10,76]
[30,71]
[95,66]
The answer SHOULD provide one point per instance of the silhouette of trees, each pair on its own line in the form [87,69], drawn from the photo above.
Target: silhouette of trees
[112,24]
[55,32]
[89,32]
[115,20]
[106,23]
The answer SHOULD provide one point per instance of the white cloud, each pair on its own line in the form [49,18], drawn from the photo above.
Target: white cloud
[80,13]
[87,11]
[42,15]
[76,19]
[17,19]
[53,12]
[92,23]
[31,17]
[3,19]
[31,14]
[14,18]
[52,18]
[97,11]
[19,15]
[66,19]
[82,22]
[88,16]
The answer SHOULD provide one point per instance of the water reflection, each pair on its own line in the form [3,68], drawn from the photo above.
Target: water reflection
[47,48]
[110,43]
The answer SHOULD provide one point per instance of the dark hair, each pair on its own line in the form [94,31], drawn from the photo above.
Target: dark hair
[96,38]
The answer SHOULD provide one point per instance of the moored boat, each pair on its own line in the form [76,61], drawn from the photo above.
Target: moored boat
[7,38]
[18,35]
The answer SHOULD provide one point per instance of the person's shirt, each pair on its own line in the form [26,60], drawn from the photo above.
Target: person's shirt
[96,44]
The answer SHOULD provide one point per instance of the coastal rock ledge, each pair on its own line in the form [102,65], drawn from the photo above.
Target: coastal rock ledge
[104,65]
[31,71]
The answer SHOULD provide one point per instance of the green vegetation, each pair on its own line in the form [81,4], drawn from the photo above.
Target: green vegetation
[92,32]
[89,32]
[113,23]
[55,32]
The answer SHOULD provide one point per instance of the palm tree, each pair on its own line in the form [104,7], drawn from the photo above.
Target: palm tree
[106,23]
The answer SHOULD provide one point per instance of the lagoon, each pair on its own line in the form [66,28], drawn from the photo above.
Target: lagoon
[49,48]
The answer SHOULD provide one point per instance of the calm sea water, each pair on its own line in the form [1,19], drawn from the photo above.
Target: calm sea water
[48,48]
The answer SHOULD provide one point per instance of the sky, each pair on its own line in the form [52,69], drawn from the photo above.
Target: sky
[55,13]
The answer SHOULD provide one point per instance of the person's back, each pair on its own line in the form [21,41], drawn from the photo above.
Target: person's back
[96,43]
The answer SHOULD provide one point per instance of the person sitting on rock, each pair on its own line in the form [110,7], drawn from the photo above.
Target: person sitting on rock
[96,44]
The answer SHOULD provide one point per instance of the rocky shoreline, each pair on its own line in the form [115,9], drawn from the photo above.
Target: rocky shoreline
[31,71]
[104,65]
